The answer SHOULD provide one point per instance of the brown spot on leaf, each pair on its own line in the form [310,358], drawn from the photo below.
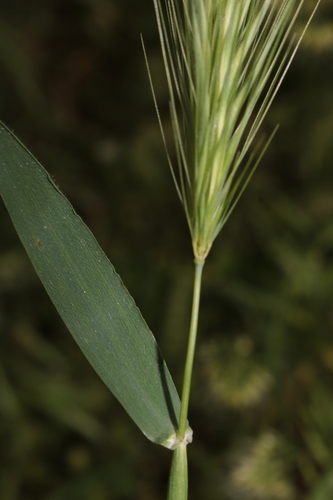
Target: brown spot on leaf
[38,243]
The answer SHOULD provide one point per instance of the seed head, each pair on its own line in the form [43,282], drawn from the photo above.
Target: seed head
[224,61]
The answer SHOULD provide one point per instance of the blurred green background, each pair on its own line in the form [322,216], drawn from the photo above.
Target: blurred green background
[74,88]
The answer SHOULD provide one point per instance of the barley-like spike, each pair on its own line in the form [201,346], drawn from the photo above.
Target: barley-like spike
[225,61]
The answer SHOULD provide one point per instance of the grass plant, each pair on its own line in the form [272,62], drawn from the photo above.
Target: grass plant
[224,61]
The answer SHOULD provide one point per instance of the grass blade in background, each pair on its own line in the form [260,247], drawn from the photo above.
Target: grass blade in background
[89,295]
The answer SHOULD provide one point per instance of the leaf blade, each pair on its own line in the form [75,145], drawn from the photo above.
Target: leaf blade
[89,295]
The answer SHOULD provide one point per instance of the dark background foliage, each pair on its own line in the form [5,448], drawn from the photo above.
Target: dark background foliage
[74,88]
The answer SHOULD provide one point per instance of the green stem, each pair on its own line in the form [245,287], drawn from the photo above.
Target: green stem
[190,349]
[178,475]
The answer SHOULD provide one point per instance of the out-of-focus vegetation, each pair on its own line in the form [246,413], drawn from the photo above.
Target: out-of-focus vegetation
[73,87]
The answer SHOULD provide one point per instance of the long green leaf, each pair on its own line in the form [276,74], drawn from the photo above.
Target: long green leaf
[87,292]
